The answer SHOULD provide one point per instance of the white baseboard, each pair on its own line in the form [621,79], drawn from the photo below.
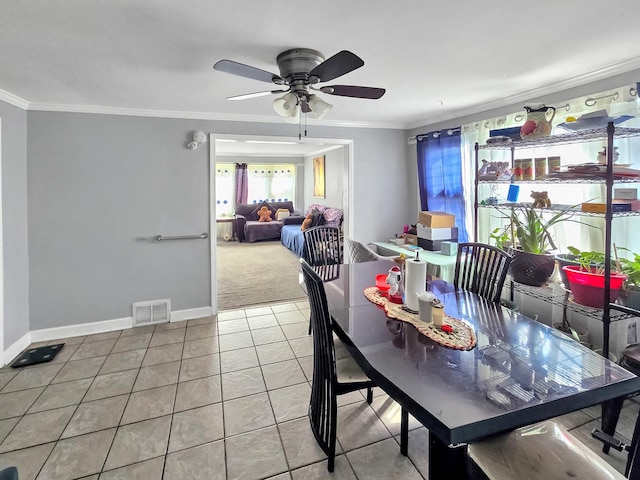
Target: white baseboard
[190,313]
[46,334]
[67,331]
[16,348]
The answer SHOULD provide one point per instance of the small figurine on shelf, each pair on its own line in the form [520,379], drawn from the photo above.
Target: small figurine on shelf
[540,199]
[602,155]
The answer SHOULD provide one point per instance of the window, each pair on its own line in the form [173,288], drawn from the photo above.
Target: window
[274,183]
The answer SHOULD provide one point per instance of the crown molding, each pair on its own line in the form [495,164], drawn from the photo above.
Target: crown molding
[14,100]
[574,82]
[226,117]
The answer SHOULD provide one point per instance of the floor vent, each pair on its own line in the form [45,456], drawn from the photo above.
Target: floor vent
[147,313]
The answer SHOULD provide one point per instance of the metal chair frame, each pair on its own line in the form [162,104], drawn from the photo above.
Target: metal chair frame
[481,269]
[325,387]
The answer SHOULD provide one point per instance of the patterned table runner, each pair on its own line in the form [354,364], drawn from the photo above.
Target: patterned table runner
[462,338]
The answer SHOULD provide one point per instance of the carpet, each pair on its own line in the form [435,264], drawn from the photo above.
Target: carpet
[256,273]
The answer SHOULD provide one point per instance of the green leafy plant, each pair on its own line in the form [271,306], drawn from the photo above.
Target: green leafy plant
[590,261]
[531,227]
[631,268]
[501,236]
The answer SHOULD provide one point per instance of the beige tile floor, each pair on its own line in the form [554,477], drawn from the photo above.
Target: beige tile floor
[209,398]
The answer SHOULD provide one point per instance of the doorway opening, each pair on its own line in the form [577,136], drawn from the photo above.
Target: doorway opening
[234,257]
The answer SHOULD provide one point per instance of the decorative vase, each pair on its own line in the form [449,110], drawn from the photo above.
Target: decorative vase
[531,268]
[587,287]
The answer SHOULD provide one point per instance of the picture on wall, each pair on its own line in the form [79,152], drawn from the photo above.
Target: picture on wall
[318,177]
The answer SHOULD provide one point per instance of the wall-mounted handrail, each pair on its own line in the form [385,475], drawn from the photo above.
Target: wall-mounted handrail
[160,238]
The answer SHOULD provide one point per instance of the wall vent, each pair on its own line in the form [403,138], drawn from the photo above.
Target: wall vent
[155,311]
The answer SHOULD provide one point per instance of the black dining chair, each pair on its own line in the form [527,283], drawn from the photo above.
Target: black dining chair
[481,269]
[547,451]
[331,377]
[322,246]
[359,252]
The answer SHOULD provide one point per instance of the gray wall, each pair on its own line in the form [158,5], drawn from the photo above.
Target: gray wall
[14,218]
[96,182]
[334,167]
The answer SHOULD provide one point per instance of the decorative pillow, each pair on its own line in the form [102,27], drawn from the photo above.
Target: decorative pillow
[265,214]
[282,213]
[264,203]
[306,223]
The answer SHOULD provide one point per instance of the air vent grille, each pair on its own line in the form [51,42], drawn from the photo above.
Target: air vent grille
[147,313]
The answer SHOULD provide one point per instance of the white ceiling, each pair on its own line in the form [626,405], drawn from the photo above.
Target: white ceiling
[436,60]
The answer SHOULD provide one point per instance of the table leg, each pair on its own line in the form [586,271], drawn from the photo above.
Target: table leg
[445,462]
[404,431]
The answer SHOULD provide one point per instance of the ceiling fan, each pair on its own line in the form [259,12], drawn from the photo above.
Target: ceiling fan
[301,70]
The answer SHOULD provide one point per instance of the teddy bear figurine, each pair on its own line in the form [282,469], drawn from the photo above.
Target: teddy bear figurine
[265,214]
[540,199]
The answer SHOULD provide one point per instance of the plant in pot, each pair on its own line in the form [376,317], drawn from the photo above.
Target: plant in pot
[586,279]
[532,263]
[501,237]
[630,293]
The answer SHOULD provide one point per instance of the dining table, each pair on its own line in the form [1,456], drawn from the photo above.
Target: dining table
[518,371]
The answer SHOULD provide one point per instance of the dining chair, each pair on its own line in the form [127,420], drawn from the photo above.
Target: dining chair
[547,451]
[331,377]
[481,269]
[359,252]
[322,246]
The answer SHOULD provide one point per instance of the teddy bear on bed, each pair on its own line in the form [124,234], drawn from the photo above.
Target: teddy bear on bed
[540,199]
[265,214]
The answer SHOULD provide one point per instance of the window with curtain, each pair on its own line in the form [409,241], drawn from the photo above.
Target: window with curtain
[273,183]
[440,177]
[615,102]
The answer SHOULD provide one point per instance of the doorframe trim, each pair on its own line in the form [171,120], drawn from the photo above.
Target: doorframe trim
[348,221]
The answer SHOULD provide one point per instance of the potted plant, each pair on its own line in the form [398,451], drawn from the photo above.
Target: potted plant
[630,293]
[532,263]
[501,237]
[586,279]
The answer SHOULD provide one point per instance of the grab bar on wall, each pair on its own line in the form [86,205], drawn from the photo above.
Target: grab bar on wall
[160,238]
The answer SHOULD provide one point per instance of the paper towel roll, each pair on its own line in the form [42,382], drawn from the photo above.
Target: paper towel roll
[415,282]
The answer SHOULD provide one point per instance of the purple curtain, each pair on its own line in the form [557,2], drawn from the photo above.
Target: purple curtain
[242,183]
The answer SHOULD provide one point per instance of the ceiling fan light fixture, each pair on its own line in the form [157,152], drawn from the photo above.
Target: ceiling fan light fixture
[295,118]
[285,106]
[319,108]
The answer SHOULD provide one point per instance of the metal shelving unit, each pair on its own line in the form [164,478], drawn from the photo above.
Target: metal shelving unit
[611,312]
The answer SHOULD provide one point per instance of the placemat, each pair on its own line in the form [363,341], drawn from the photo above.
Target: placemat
[462,338]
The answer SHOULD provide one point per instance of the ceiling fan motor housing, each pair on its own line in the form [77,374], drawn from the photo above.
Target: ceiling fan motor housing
[295,64]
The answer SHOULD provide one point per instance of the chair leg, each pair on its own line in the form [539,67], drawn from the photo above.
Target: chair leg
[331,462]
[404,432]
[369,395]
[610,415]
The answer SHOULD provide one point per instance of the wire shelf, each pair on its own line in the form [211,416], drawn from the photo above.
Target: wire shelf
[560,299]
[574,210]
[565,139]
[559,179]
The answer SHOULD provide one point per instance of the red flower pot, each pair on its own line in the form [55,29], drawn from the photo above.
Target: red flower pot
[587,287]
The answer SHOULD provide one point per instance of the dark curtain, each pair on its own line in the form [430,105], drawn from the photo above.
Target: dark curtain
[440,175]
[242,183]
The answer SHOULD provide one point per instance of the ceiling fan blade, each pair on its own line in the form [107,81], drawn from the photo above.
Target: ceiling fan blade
[354,91]
[255,94]
[235,68]
[340,64]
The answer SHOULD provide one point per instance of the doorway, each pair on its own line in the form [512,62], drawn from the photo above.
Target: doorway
[219,150]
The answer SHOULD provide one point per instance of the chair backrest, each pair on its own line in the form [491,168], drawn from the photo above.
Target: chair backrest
[323,405]
[359,253]
[481,269]
[322,246]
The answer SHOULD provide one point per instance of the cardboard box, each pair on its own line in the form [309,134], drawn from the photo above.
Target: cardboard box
[410,239]
[617,206]
[437,219]
[625,193]
[436,233]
